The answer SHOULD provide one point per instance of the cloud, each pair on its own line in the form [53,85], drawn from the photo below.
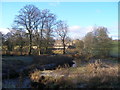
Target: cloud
[113,31]
[74,28]
[89,29]
[78,32]
[78,28]
[114,36]
[4,30]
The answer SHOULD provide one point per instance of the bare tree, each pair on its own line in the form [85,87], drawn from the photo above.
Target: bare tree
[62,31]
[28,19]
[49,27]
[39,26]
[44,32]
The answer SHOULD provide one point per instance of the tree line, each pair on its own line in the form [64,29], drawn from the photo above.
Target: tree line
[35,27]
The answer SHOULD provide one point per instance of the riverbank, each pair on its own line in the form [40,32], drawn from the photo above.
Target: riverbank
[96,74]
[81,74]
[14,67]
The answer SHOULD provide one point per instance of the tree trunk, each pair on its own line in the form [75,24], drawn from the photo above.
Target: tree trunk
[40,42]
[21,50]
[30,44]
[63,46]
[46,46]
[21,46]
[46,50]
[39,52]
[64,49]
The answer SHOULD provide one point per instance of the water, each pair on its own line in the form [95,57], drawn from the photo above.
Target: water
[26,59]
[75,64]
[14,83]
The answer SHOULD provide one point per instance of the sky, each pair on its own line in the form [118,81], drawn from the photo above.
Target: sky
[80,16]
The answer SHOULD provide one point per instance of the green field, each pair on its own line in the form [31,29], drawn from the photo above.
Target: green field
[114,50]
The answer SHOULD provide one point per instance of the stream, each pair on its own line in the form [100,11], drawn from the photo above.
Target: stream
[16,83]
[25,81]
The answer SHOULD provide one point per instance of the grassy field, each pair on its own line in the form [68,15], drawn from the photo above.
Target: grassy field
[115,49]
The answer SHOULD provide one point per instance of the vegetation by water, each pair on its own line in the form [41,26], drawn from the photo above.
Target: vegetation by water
[31,58]
[95,73]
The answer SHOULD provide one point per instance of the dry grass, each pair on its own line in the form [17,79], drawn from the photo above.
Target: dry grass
[96,74]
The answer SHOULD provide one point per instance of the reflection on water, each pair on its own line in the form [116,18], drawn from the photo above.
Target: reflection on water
[75,64]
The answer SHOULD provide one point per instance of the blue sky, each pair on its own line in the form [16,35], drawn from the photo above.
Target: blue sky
[80,16]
